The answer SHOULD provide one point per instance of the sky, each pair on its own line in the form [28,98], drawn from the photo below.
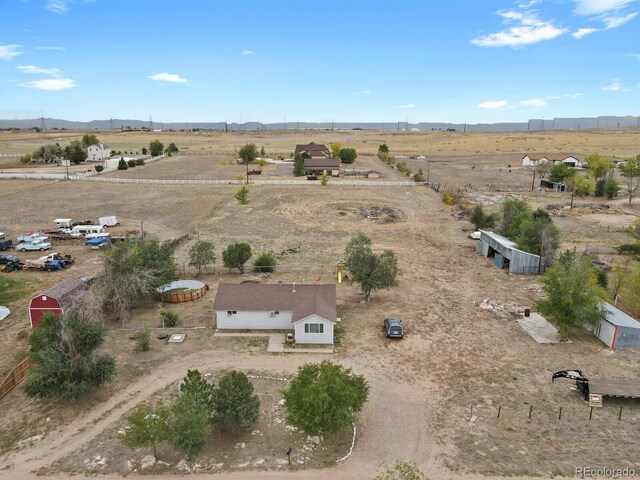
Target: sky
[335,60]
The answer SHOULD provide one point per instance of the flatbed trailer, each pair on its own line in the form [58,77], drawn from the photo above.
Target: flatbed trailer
[602,387]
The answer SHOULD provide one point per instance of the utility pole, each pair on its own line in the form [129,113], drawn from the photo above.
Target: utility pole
[428,164]
[533,182]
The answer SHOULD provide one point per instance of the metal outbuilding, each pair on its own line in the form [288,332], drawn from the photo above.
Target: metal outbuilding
[506,255]
[617,330]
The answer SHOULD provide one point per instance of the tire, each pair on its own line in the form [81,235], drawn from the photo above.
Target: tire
[42,249]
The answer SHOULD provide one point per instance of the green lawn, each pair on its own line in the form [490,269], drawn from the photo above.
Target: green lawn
[12,290]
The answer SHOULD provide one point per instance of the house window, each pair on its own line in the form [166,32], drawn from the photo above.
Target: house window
[231,312]
[313,328]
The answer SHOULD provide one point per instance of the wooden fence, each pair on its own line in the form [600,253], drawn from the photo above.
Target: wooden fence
[15,377]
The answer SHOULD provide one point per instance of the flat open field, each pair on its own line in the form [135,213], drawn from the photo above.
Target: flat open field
[454,355]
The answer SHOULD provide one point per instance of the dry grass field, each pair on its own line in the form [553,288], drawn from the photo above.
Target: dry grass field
[454,355]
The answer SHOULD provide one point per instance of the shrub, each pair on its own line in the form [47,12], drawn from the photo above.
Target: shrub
[611,189]
[599,190]
[632,248]
[402,167]
[236,406]
[324,179]
[139,161]
[261,162]
[348,155]
[451,196]
[602,278]
[26,158]
[242,195]
[188,426]
[482,220]
[143,339]
[122,164]
[169,317]
[131,163]
[419,177]
[99,168]
[144,150]
[266,262]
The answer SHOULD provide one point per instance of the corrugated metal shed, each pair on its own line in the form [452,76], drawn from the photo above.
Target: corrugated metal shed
[504,252]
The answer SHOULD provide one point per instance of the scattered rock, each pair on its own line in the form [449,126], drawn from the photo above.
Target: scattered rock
[48,420]
[97,462]
[183,466]
[160,462]
[240,445]
[290,428]
[314,439]
[258,463]
[300,462]
[130,465]
[147,461]
[473,418]
[219,465]
[242,465]
[255,432]
[29,440]
[281,402]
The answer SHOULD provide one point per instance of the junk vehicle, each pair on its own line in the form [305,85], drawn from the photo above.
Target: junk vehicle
[596,389]
[96,243]
[12,266]
[63,222]
[40,263]
[109,221]
[32,237]
[35,245]
[6,244]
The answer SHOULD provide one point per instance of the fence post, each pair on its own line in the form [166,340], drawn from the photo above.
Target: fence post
[620,414]
[499,410]
[560,414]
[590,413]
[530,410]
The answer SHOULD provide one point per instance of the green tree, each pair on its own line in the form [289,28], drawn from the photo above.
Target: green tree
[542,169]
[482,220]
[611,188]
[324,179]
[47,154]
[336,148]
[383,150]
[188,426]
[512,213]
[200,390]
[75,153]
[64,363]
[89,139]
[298,165]
[155,148]
[348,155]
[598,165]
[132,270]
[371,271]
[131,163]
[266,262]
[147,427]
[201,254]
[122,164]
[144,150]
[172,148]
[560,172]
[573,296]
[630,170]
[248,153]
[236,406]
[236,255]
[539,235]
[262,154]
[631,290]
[581,184]
[242,195]
[324,398]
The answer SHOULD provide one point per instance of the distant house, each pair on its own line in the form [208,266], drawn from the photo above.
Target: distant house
[57,299]
[531,160]
[321,165]
[314,150]
[372,174]
[98,152]
[617,329]
[308,310]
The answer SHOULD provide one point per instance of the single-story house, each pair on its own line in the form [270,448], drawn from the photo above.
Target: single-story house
[314,150]
[98,152]
[308,310]
[57,299]
[555,186]
[320,165]
[506,255]
[531,160]
[617,329]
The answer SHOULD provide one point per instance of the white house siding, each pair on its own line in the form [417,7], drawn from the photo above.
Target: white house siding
[325,338]
[254,320]
[98,152]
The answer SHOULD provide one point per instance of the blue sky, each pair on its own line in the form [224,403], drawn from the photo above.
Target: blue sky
[337,60]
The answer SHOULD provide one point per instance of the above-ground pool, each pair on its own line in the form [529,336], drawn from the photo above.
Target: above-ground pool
[181,291]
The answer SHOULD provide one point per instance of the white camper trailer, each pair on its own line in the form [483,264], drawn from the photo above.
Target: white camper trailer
[110,221]
[87,229]
[63,223]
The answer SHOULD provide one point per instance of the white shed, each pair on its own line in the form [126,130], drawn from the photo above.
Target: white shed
[308,310]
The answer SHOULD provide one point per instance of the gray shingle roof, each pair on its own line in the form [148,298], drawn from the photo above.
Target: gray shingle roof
[66,292]
[306,300]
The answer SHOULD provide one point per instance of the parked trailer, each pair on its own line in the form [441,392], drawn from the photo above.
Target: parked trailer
[86,229]
[6,244]
[108,221]
[599,387]
[63,222]
[96,243]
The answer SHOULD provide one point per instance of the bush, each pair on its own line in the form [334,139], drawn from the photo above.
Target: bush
[26,158]
[602,278]
[131,163]
[631,248]
[261,162]
[611,189]
[451,196]
[139,161]
[419,177]
[242,195]
[599,190]
[99,168]
[169,317]
[482,220]
[348,155]
[143,339]
[188,426]
[122,164]
[236,407]
[144,150]
[402,167]
[266,262]
[324,179]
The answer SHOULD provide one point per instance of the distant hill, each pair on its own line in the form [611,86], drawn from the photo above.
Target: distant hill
[533,124]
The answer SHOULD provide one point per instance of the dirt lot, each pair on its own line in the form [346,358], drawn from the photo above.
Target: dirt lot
[454,355]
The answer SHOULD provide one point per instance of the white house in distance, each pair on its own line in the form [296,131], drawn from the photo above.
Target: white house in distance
[531,160]
[308,310]
[98,152]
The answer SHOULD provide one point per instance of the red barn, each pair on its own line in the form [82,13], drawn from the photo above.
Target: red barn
[56,299]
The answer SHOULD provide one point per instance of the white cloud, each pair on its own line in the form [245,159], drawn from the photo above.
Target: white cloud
[51,84]
[51,48]
[7,52]
[637,55]
[493,104]
[168,77]
[615,22]
[596,7]
[247,52]
[533,102]
[576,95]
[57,6]
[583,32]
[408,105]
[364,92]
[33,69]
[528,29]
[612,87]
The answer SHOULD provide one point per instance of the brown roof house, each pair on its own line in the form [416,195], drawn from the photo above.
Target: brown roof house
[308,310]
[314,150]
[321,165]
